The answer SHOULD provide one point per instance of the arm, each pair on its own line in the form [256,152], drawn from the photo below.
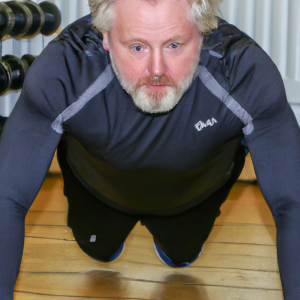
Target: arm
[276,158]
[27,146]
[275,149]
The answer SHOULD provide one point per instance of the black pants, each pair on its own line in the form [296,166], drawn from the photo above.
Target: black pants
[181,236]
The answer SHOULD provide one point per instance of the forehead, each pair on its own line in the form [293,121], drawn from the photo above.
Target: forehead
[152,18]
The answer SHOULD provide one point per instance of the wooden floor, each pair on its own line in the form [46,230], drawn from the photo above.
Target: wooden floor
[238,262]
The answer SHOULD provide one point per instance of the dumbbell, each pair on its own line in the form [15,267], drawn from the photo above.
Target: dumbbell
[26,19]
[12,72]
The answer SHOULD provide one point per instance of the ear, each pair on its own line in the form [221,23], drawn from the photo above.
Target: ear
[105,40]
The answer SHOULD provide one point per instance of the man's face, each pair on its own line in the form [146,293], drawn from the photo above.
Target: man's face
[155,50]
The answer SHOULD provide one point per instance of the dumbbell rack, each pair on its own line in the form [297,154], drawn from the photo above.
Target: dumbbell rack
[23,20]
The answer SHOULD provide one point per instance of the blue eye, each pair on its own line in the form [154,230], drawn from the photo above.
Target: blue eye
[174,46]
[138,48]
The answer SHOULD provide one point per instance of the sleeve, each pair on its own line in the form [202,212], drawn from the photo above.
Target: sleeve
[274,144]
[27,147]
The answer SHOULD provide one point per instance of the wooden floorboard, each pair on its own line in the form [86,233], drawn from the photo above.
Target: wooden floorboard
[239,260]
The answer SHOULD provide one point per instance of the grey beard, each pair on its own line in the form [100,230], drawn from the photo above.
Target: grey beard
[168,101]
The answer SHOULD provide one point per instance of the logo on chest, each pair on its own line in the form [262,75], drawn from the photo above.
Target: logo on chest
[201,125]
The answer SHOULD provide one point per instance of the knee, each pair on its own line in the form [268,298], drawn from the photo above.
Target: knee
[182,256]
[100,251]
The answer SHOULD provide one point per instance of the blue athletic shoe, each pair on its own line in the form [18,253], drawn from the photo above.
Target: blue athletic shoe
[167,261]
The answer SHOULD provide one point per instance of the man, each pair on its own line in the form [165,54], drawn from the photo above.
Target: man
[150,133]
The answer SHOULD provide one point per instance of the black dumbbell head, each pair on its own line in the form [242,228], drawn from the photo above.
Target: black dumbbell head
[52,18]
[17,71]
[21,18]
[28,59]
[4,80]
[36,21]
[2,21]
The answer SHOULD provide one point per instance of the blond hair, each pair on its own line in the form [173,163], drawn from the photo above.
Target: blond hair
[204,14]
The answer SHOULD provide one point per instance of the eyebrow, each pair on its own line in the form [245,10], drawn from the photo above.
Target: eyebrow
[137,39]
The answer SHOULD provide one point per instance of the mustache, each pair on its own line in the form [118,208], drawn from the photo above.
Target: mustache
[151,80]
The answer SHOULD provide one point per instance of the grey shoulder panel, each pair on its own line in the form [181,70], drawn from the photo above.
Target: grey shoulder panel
[216,89]
[215,54]
[99,85]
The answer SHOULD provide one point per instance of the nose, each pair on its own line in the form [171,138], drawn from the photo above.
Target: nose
[157,66]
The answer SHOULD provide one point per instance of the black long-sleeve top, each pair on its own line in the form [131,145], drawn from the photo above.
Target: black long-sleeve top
[151,164]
